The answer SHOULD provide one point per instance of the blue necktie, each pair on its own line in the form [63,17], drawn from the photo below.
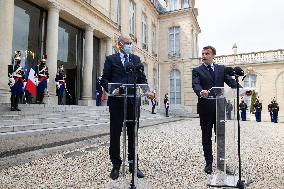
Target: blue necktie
[126,61]
[211,71]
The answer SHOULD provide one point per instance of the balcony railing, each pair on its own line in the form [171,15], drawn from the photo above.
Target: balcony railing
[252,58]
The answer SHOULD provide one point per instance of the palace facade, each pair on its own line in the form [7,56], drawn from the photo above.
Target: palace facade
[80,33]
[264,73]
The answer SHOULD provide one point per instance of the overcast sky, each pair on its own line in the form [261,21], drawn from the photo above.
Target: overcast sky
[254,25]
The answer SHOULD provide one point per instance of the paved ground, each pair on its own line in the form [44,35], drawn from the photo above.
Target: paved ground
[170,156]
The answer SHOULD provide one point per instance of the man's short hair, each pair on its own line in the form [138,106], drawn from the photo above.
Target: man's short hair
[122,37]
[210,47]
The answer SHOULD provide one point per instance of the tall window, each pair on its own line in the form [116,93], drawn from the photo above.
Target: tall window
[29,29]
[184,4]
[132,15]
[144,31]
[117,11]
[250,81]
[154,38]
[174,41]
[70,48]
[173,5]
[145,69]
[175,87]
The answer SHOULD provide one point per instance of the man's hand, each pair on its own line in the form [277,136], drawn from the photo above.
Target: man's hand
[115,91]
[204,93]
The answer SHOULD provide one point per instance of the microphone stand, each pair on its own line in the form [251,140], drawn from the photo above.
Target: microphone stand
[240,183]
[134,72]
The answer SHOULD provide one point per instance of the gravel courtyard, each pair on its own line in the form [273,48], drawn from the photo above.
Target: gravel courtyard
[170,155]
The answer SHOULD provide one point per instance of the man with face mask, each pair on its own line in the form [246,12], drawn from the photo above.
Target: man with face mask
[116,71]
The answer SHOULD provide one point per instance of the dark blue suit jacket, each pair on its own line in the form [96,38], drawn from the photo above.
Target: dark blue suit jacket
[202,80]
[115,72]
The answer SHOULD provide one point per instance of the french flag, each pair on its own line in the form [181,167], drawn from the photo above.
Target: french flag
[31,84]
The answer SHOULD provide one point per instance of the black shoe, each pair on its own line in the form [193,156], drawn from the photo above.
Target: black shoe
[208,169]
[153,113]
[17,109]
[114,174]
[12,109]
[139,173]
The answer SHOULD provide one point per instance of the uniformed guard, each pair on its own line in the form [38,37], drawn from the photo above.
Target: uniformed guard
[16,82]
[257,110]
[275,110]
[99,91]
[42,76]
[60,84]
[270,110]
[243,107]
[153,102]
[229,108]
[167,104]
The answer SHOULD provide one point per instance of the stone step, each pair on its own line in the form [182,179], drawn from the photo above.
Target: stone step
[50,119]
[31,138]
[30,111]
[43,107]
[48,125]
[52,115]
[23,141]
[50,122]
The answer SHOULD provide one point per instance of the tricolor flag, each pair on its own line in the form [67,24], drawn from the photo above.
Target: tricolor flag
[31,84]
[26,69]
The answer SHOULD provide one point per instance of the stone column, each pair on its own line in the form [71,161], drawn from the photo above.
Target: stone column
[6,42]
[108,46]
[52,49]
[88,69]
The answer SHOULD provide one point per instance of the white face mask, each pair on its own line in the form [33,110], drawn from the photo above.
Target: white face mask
[127,48]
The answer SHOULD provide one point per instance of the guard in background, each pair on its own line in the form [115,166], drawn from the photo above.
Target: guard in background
[42,75]
[275,110]
[229,108]
[270,110]
[60,84]
[99,91]
[257,110]
[243,107]
[167,104]
[154,102]
[16,82]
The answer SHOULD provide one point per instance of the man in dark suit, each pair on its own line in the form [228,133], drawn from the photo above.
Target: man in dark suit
[204,77]
[115,71]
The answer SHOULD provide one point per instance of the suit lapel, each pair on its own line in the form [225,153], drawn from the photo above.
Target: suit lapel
[216,71]
[206,71]
[131,59]
[118,60]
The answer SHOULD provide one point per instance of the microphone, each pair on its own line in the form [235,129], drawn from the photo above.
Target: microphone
[239,71]
[236,71]
[244,77]
[130,68]
[229,71]
[140,68]
[134,68]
